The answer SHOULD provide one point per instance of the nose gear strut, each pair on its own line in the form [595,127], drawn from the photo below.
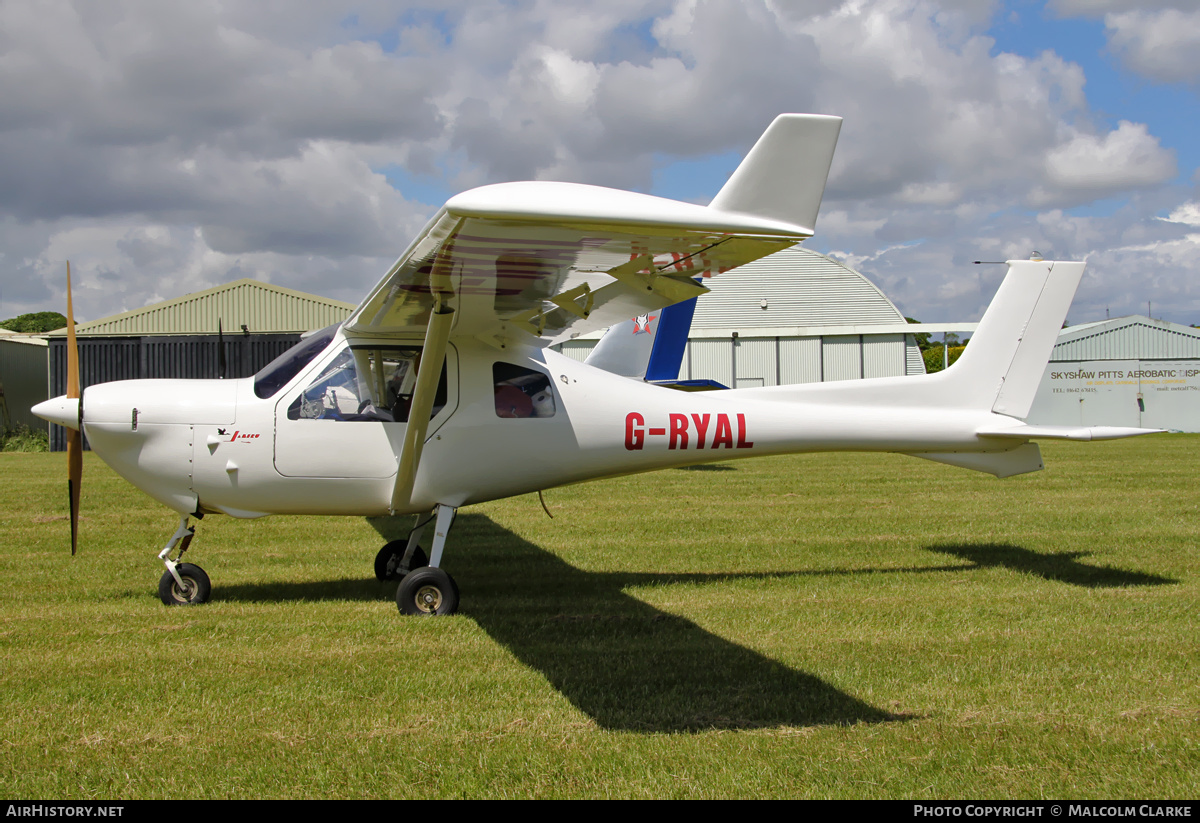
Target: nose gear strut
[182,583]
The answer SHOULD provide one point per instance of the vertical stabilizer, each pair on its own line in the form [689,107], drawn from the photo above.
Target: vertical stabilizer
[1003,365]
[999,371]
[1024,374]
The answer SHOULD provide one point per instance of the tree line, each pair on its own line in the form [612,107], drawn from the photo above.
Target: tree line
[35,323]
[934,352]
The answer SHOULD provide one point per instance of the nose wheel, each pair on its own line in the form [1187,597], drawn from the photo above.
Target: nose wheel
[182,584]
[192,587]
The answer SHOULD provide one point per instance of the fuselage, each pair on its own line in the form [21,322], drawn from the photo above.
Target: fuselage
[217,445]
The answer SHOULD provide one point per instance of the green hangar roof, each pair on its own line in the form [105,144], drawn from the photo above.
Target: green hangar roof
[262,308]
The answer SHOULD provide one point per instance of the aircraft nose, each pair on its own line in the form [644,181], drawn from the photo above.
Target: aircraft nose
[63,410]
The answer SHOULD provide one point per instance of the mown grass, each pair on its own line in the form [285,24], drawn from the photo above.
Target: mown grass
[809,626]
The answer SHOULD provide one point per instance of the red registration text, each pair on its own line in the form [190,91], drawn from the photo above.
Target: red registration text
[685,431]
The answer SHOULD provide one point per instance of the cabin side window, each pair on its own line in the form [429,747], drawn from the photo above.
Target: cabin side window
[522,392]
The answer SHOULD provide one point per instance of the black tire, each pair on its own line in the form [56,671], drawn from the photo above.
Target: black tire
[389,557]
[196,587]
[426,592]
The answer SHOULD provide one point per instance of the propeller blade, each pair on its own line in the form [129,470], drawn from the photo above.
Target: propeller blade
[74,436]
[74,478]
[220,351]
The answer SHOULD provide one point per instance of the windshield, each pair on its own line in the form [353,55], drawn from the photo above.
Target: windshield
[364,383]
[276,374]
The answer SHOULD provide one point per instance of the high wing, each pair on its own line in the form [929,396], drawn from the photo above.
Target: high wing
[540,262]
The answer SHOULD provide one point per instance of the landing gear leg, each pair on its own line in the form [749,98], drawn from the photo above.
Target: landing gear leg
[445,519]
[182,584]
[430,590]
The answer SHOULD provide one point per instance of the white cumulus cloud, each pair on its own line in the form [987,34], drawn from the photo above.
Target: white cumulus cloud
[171,147]
[1090,166]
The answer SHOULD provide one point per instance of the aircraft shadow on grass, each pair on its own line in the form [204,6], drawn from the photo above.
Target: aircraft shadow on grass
[1062,567]
[632,667]
[621,661]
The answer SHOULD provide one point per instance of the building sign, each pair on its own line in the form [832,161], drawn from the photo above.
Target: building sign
[1162,394]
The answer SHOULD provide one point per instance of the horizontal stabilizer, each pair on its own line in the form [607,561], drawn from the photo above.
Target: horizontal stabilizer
[1021,460]
[690,385]
[1035,432]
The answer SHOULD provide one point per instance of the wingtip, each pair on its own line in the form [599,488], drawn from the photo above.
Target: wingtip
[783,176]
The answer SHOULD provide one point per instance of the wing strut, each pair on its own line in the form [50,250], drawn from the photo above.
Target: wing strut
[433,355]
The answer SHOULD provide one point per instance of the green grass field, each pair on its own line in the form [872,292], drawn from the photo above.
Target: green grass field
[810,626]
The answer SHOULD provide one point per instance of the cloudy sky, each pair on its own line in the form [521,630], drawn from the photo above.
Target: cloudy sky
[164,148]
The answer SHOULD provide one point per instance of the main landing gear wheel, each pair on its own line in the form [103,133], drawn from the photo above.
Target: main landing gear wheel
[427,592]
[387,562]
[195,589]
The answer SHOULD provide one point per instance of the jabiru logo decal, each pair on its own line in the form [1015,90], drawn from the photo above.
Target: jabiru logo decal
[237,435]
[684,433]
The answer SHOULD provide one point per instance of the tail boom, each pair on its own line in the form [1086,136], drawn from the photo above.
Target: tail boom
[988,390]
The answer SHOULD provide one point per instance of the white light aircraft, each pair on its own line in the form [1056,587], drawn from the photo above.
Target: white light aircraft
[440,390]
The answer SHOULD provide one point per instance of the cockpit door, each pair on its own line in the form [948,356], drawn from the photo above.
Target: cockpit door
[348,416]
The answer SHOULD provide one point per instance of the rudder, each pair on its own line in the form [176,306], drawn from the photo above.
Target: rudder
[1002,367]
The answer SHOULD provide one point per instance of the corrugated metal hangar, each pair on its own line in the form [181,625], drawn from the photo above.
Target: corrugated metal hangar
[795,316]
[179,338]
[1128,371]
[22,379]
